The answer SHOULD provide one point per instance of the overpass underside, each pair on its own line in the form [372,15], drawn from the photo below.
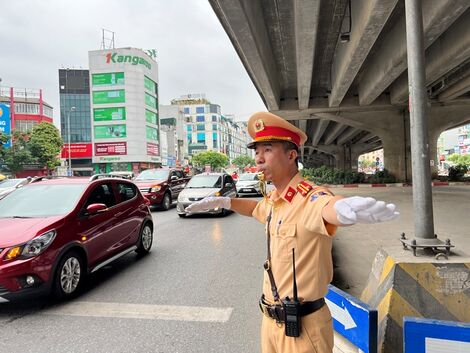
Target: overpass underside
[338,70]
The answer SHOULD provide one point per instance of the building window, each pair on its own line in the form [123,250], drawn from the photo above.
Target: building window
[189,128]
[199,110]
[201,138]
[186,110]
[190,139]
[200,118]
[201,127]
[214,118]
[214,127]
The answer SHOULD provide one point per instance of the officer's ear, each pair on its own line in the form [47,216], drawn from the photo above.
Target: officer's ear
[293,154]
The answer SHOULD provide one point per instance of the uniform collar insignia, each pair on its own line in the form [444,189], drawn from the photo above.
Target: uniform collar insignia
[290,193]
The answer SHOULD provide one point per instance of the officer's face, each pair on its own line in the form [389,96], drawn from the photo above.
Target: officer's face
[274,161]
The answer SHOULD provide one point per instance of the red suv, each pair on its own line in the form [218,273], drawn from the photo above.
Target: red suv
[55,232]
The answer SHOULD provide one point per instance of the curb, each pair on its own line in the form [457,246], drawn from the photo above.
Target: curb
[434,183]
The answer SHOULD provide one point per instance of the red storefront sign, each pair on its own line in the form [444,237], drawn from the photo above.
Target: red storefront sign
[77,150]
[152,149]
[110,148]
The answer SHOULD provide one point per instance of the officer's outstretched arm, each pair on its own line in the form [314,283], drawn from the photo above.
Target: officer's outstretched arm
[244,207]
[348,211]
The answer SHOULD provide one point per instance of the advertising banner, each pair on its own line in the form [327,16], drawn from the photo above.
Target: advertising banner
[150,85]
[77,150]
[107,114]
[151,117]
[110,148]
[152,133]
[5,123]
[109,131]
[152,149]
[150,101]
[111,78]
[106,97]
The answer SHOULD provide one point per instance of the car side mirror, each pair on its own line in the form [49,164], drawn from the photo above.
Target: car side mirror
[173,178]
[96,208]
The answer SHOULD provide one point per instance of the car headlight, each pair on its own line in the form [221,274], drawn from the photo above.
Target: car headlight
[155,188]
[32,248]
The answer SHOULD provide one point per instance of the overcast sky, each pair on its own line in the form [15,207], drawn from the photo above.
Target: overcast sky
[194,53]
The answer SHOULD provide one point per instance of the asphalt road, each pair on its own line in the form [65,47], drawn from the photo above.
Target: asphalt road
[197,291]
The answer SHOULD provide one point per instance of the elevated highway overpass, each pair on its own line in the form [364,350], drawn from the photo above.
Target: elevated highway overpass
[338,70]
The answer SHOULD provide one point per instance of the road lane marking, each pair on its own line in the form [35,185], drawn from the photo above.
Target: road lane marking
[141,311]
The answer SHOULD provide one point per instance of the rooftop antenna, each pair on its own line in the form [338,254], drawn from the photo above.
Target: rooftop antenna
[107,39]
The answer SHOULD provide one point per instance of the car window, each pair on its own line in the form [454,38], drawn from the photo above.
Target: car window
[102,193]
[126,191]
[153,174]
[41,200]
[205,181]
[248,177]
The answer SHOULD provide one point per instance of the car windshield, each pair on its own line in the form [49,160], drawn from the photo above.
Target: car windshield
[41,201]
[10,183]
[205,181]
[248,177]
[152,174]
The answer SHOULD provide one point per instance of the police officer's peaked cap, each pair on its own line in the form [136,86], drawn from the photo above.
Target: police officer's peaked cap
[267,127]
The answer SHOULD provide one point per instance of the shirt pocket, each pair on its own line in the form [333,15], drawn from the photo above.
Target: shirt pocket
[286,240]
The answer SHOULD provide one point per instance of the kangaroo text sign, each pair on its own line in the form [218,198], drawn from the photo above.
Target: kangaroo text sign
[353,319]
[435,336]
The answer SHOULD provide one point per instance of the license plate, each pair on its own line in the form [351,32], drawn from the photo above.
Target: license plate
[247,190]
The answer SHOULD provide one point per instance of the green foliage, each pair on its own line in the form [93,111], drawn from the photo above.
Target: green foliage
[243,161]
[325,175]
[457,172]
[18,154]
[45,144]
[214,159]
[460,159]
[382,177]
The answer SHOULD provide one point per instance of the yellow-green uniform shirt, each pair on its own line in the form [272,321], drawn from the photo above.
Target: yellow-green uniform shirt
[297,223]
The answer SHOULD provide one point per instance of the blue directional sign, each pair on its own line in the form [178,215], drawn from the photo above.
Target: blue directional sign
[435,336]
[353,319]
[5,122]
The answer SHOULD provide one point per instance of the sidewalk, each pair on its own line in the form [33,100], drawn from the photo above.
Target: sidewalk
[355,247]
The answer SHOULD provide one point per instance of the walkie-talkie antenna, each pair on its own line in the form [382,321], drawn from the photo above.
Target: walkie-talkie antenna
[295,281]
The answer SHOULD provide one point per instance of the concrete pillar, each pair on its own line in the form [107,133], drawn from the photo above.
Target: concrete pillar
[339,159]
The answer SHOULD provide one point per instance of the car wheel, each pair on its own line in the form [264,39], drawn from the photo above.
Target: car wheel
[69,275]
[145,240]
[166,202]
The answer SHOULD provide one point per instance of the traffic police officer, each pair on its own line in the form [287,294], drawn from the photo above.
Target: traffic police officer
[300,219]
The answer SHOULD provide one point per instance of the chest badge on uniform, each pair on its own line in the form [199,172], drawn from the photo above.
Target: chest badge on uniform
[304,188]
[290,193]
[317,195]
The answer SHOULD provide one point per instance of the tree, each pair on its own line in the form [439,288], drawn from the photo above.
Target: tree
[243,161]
[18,154]
[212,158]
[460,159]
[45,144]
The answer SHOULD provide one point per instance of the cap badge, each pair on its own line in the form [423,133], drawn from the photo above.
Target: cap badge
[259,125]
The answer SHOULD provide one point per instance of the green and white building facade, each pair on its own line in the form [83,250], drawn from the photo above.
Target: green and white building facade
[124,110]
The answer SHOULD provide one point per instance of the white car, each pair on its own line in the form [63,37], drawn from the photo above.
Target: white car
[9,185]
[248,184]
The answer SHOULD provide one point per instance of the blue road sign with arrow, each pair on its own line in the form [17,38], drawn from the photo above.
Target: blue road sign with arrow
[353,319]
[435,336]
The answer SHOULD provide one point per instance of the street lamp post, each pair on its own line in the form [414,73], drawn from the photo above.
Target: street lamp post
[69,173]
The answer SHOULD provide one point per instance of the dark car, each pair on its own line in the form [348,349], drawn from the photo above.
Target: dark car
[203,185]
[161,186]
[55,232]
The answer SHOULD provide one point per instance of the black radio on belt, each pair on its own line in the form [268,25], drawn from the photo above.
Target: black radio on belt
[292,309]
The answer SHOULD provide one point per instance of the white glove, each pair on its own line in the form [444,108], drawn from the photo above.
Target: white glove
[209,203]
[364,210]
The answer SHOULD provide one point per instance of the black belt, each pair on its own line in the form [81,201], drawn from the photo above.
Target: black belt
[276,311]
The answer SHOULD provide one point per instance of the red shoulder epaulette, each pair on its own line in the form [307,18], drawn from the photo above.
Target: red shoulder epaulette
[304,188]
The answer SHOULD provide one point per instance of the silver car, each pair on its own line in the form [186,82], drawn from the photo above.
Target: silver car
[248,184]
[9,185]
[203,185]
